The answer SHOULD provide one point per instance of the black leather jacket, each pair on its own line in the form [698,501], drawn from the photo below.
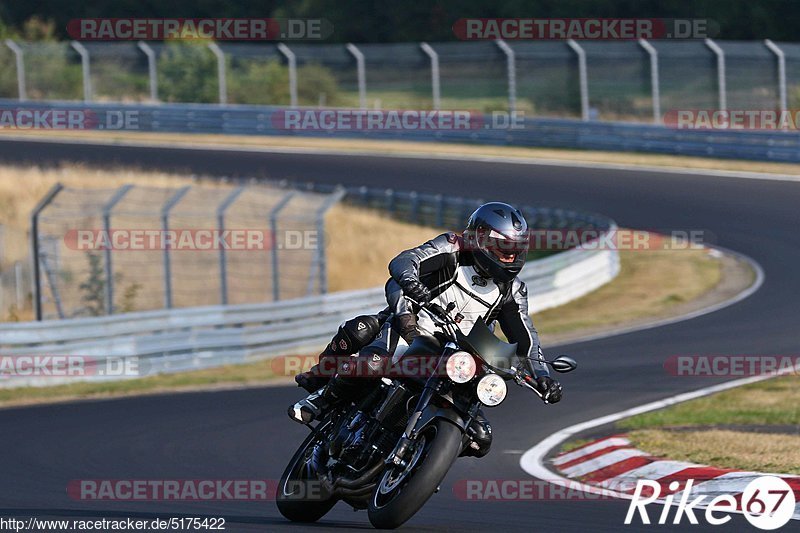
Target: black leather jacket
[440,265]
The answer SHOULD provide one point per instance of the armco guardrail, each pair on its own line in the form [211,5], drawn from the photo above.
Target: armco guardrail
[780,146]
[202,337]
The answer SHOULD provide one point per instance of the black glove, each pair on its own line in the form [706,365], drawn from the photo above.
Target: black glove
[549,388]
[414,289]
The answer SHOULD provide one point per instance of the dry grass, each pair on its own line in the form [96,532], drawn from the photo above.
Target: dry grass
[724,449]
[21,188]
[421,147]
[650,284]
[362,242]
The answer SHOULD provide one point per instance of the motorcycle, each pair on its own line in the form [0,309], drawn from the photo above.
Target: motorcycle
[388,451]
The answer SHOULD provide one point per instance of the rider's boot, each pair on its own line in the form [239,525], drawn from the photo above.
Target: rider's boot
[315,405]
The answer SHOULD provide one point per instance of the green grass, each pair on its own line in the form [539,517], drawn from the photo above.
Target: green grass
[771,402]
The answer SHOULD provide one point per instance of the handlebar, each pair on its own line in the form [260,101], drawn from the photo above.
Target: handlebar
[520,377]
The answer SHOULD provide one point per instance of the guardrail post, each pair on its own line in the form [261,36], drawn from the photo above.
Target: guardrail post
[109,271]
[221,74]
[435,87]
[583,76]
[151,68]
[390,201]
[292,60]
[781,57]
[273,226]
[439,210]
[654,81]
[723,97]
[362,74]
[414,199]
[512,74]
[85,69]
[19,56]
[322,266]
[223,265]
[180,193]
[36,274]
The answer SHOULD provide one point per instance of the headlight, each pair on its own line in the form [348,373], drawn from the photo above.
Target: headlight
[491,390]
[461,367]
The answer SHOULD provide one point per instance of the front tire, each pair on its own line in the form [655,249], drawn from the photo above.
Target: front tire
[401,493]
[293,504]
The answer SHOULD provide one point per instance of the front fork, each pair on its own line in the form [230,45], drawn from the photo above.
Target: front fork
[432,387]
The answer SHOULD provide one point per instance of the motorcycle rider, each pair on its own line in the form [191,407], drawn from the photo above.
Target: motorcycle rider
[476,271]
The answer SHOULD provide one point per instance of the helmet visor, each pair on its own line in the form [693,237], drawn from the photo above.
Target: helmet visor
[503,247]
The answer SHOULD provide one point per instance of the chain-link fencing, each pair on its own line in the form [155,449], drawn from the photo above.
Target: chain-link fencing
[604,80]
[132,248]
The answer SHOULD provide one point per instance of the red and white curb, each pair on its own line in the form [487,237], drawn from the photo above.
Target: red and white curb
[613,464]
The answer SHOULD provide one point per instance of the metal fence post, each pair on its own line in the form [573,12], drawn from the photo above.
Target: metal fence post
[22,93]
[583,77]
[435,87]
[273,225]
[180,193]
[18,285]
[362,74]
[292,60]
[151,68]
[714,47]
[322,266]
[221,75]
[512,74]
[109,271]
[87,78]
[781,57]
[223,265]
[36,274]
[654,81]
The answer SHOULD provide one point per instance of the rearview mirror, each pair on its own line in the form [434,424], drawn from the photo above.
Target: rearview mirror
[563,364]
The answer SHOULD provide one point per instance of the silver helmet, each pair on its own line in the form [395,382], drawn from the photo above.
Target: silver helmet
[497,236]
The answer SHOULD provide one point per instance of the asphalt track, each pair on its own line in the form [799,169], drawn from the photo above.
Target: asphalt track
[245,433]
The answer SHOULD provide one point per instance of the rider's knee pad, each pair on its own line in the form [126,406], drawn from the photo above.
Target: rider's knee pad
[480,432]
[354,335]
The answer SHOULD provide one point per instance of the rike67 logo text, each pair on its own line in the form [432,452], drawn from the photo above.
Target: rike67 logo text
[768,503]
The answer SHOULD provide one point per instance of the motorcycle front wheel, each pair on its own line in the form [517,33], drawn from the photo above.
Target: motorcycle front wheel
[402,491]
[299,496]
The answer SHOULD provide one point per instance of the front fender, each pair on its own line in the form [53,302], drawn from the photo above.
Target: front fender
[432,412]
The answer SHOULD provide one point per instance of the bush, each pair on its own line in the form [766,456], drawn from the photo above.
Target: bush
[188,73]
